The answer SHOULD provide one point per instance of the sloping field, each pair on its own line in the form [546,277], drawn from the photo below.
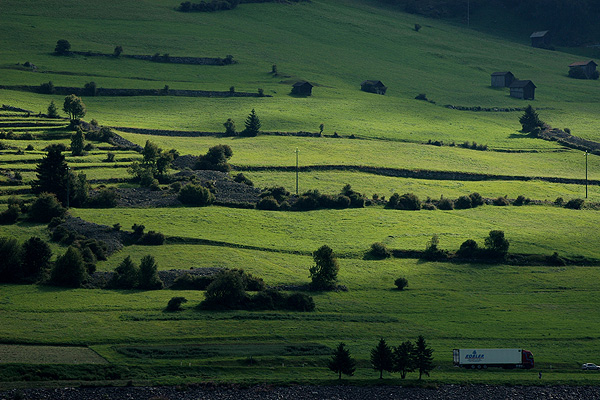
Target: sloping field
[12,353]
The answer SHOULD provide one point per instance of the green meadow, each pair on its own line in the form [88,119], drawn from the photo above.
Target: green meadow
[550,310]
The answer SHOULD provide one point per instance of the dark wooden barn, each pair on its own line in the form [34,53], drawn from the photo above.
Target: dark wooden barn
[540,39]
[583,69]
[373,86]
[522,90]
[302,88]
[502,79]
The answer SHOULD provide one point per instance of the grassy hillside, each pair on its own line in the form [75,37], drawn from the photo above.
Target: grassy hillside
[335,45]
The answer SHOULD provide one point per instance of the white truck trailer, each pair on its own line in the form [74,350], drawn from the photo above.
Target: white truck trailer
[483,358]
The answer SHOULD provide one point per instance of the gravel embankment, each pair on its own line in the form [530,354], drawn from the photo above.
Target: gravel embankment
[449,392]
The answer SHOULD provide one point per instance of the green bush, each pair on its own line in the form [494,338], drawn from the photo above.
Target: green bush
[126,275]
[379,250]
[496,245]
[241,178]
[215,159]
[476,199]
[501,201]
[148,275]
[152,238]
[10,215]
[463,202]
[268,203]
[445,204]
[226,291]
[401,283]
[195,195]
[575,204]
[45,207]
[192,282]
[468,249]
[10,254]
[324,273]
[175,304]
[407,201]
[104,198]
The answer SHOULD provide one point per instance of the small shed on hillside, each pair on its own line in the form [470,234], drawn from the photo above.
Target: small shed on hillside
[583,69]
[522,90]
[540,39]
[302,88]
[373,86]
[502,79]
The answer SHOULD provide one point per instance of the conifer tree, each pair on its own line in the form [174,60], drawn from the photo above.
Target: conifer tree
[126,275]
[52,110]
[341,362]
[382,358]
[252,124]
[69,269]
[149,279]
[404,358]
[77,142]
[423,357]
[530,120]
[52,175]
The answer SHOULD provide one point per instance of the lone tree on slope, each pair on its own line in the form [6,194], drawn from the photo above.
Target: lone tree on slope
[324,272]
[252,125]
[74,107]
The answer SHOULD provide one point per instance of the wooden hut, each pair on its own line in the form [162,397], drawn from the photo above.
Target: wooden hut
[540,39]
[302,88]
[583,69]
[373,86]
[522,90]
[502,79]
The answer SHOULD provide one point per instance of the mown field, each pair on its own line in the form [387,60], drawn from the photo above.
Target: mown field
[549,310]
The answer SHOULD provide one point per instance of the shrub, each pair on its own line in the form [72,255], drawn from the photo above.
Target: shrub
[300,302]
[555,259]
[241,178]
[152,238]
[496,245]
[432,251]
[118,50]
[126,275]
[417,27]
[104,198]
[192,282]
[501,201]
[175,304]
[476,199]
[47,88]
[401,283]
[46,207]
[379,250]
[229,125]
[342,202]
[225,291]
[63,47]
[575,204]
[463,202]
[10,215]
[407,201]
[445,204]
[215,159]
[90,89]
[195,195]
[69,269]
[559,201]
[268,203]
[520,200]
[52,110]
[278,192]
[468,249]
[35,259]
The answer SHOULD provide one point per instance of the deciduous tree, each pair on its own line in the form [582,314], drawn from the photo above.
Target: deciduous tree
[324,272]
[74,107]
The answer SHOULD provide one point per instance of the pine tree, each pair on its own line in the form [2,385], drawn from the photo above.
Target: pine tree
[52,175]
[77,142]
[423,357]
[530,120]
[341,362]
[404,358]
[324,272]
[252,125]
[149,279]
[52,110]
[35,259]
[382,358]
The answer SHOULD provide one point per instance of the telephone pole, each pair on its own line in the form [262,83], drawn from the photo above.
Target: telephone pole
[297,171]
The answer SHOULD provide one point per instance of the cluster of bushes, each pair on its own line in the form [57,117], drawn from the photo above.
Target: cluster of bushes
[203,6]
[277,198]
[201,282]
[410,201]
[154,165]
[464,145]
[573,204]
[228,291]
[150,238]
[215,159]
[195,195]
[130,276]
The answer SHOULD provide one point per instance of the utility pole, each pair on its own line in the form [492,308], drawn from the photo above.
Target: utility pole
[297,171]
[68,186]
[586,168]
